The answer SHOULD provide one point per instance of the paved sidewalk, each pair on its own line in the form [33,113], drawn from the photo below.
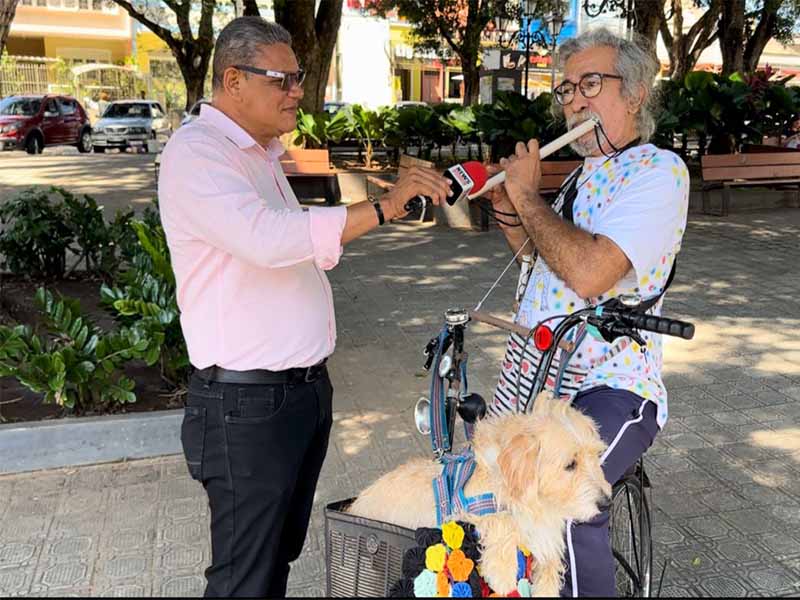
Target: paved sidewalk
[726,470]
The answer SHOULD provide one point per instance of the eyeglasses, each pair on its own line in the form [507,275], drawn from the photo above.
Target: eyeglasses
[288,81]
[590,85]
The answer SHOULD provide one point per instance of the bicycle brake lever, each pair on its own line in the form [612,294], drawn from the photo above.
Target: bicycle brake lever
[428,353]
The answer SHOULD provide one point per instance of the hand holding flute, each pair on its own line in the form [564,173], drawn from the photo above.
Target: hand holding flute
[521,175]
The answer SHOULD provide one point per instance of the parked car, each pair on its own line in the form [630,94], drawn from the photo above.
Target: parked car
[194,112]
[35,122]
[130,123]
[334,107]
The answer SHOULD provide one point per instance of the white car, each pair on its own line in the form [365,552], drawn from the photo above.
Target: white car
[130,123]
[194,112]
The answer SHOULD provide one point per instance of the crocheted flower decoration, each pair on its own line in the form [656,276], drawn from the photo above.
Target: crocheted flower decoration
[425,585]
[435,557]
[448,565]
[459,565]
[453,535]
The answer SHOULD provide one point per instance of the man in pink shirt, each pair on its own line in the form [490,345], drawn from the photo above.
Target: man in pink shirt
[256,306]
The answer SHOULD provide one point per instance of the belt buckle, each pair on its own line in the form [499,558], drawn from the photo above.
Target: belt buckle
[307,378]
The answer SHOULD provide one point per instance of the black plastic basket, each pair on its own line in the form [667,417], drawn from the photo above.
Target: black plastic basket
[364,558]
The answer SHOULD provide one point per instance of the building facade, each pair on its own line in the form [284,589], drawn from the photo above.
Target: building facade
[77,30]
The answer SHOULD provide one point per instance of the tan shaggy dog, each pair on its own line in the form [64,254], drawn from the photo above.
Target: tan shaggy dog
[543,468]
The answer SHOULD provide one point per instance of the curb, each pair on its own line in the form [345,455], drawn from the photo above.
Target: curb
[73,442]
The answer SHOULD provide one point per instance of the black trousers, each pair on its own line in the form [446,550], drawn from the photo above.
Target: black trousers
[258,451]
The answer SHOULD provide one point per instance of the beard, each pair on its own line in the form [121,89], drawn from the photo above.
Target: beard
[587,144]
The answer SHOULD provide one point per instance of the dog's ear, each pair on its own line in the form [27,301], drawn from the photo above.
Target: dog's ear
[517,462]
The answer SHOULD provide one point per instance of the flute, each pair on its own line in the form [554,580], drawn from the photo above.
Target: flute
[545,151]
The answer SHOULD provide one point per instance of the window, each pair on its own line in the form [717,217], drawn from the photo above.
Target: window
[62,4]
[25,107]
[122,110]
[405,83]
[51,107]
[68,107]
[158,112]
[454,81]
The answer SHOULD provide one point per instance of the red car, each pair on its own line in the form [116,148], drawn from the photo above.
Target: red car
[33,122]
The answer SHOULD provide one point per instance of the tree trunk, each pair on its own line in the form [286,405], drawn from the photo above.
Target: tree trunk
[313,39]
[768,20]
[194,77]
[648,15]
[731,24]
[685,48]
[251,9]
[472,88]
[7,10]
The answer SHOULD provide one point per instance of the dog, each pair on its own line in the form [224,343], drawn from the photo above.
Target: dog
[543,468]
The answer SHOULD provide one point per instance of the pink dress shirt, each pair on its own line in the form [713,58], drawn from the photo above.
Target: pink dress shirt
[248,259]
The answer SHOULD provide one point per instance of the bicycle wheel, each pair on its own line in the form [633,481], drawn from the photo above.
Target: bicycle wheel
[631,541]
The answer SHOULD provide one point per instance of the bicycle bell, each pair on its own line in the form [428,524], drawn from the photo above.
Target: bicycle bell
[456,316]
[630,300]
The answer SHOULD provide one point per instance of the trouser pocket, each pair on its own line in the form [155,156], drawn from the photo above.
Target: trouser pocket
[193,434]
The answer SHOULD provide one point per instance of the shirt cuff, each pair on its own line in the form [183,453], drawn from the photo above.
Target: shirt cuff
[327,225]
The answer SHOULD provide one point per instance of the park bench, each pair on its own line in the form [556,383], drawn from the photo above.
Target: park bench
[309,172]
[778,170]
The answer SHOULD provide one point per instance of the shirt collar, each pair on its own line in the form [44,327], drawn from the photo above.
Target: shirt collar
[234,132]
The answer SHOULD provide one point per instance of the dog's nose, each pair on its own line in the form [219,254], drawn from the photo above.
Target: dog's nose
[604,503]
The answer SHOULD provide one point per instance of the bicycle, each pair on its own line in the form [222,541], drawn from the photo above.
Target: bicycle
[630,526]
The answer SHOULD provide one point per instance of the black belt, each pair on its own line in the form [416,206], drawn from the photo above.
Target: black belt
[262,376]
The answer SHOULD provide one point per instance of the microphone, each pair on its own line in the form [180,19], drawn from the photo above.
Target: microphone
[558,143]
[464,178]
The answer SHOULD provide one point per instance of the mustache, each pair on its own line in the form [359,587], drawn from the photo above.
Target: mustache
[574,120]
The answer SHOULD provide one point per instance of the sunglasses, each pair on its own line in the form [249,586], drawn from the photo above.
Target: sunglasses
[590,85]
[288,81]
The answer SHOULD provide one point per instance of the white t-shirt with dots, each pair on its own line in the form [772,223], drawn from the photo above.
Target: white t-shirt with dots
[639,200]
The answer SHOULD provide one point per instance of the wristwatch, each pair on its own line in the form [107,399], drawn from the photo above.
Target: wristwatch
[379,210]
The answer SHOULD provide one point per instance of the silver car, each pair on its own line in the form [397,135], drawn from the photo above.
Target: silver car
[130,124]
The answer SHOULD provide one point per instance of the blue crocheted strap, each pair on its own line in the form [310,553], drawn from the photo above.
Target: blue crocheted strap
[448,489]
[483,504]
[441,497]
[438,415]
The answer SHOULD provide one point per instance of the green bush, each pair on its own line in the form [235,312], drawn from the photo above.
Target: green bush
[724,113]
[35,235]
[143,297]
[74,363]
[40,225]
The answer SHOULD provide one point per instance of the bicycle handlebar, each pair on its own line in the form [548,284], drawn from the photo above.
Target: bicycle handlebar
[645,322]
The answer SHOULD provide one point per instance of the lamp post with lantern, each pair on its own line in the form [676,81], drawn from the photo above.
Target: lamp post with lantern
[507,38]
[555,22]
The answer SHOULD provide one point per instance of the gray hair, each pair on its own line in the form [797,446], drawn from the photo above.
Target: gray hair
[636,63]
[241,40]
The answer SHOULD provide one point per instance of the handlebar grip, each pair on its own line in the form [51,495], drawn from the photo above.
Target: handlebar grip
[645,322]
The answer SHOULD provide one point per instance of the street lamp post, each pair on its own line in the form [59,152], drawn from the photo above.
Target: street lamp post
[530,9]
[555,22]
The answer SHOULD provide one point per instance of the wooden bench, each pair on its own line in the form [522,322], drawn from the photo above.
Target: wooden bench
[307,170]
[761,169]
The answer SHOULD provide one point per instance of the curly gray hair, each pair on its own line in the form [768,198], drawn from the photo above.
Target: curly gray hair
[636,64]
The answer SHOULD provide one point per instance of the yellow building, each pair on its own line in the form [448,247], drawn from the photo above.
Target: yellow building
[77,30]
[421,76]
